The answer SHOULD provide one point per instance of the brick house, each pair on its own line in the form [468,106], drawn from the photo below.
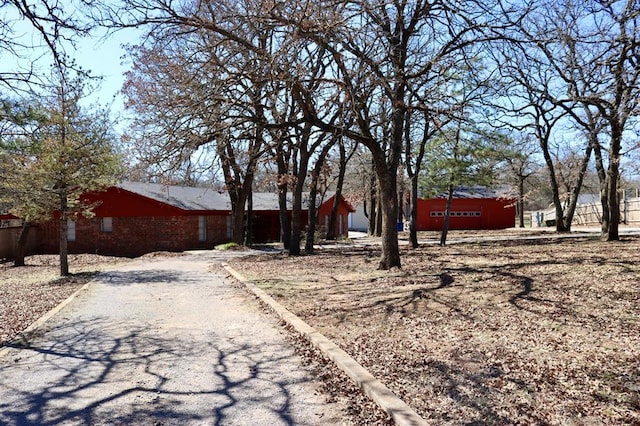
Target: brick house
[136,218]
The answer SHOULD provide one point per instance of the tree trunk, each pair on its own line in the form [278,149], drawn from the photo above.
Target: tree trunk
[331,232]
[553,181]
[313,194]
[389,231]
[413,229]
[447,215]
[613,175]
[283,182]
[311,226]
[373,207]
[285,226]
[296,211]
[64,250]
[520,205]
[602,177]
[373,203]
[237,189]
[238,221]
[379,214]
[248,230]
[575,191]
[21,244]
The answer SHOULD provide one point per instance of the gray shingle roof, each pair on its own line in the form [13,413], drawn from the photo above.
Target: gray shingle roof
[190,198]
[186,198]
[477,192]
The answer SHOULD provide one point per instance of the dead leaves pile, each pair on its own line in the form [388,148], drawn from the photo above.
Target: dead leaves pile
[28,292]
[516,332]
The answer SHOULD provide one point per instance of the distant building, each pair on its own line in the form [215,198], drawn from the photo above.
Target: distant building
[471,208]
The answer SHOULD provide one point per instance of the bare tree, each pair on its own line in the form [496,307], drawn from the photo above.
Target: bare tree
[55,25]
[521,165]
[344,158]
[590,53]
[378,48]
[196,91]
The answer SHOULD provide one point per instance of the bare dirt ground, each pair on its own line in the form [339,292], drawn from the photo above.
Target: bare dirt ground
[28,292]
[512,332]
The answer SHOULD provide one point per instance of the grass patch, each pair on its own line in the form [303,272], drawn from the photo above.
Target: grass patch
[227,246]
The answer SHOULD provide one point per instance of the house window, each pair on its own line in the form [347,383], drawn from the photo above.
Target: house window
[229,227]
[106,224]
[202,228]
[71,230]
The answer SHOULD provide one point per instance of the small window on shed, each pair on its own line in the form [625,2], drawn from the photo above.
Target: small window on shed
[106,224]
[202,228]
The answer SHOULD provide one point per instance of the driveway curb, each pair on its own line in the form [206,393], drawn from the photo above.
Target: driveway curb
[400,412]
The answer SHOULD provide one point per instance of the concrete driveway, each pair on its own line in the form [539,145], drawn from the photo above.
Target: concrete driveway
[161,341]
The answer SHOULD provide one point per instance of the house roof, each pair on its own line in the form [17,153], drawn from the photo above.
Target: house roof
[477,192]
[198,198]
[183,197]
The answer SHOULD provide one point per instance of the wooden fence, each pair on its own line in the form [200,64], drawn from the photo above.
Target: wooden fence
[8,238]
[591,214]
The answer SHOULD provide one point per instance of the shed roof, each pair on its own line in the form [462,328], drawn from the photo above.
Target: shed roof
[477,192]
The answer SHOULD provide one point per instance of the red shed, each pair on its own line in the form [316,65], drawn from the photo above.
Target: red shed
[471,208]
[342,220]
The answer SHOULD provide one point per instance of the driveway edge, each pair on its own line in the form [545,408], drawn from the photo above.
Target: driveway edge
[22,338]
[399,411]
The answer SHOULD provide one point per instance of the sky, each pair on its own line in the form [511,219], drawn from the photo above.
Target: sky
[105,58]
[103,55]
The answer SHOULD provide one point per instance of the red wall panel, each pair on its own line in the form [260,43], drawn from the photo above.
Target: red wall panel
[466,213]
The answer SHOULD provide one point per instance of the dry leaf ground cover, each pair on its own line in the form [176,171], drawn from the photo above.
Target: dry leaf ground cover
[28,292]
[516,332]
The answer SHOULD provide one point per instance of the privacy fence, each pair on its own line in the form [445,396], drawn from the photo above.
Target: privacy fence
[8,238]
[590,214]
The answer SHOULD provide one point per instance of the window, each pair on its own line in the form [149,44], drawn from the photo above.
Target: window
[202,228]
[106,224]
[229,227]
[456,214]
[71,230]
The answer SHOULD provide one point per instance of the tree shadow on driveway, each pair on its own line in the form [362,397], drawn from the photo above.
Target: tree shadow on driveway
[94,371]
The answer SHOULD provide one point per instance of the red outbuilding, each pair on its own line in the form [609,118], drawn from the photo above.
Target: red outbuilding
[471,208]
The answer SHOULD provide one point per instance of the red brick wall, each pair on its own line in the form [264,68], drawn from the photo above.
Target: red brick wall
[134,236]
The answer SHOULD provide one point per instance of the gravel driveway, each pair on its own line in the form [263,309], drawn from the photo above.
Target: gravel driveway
[161,341]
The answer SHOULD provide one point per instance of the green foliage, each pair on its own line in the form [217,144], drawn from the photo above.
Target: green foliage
[459,156]
[54,152]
